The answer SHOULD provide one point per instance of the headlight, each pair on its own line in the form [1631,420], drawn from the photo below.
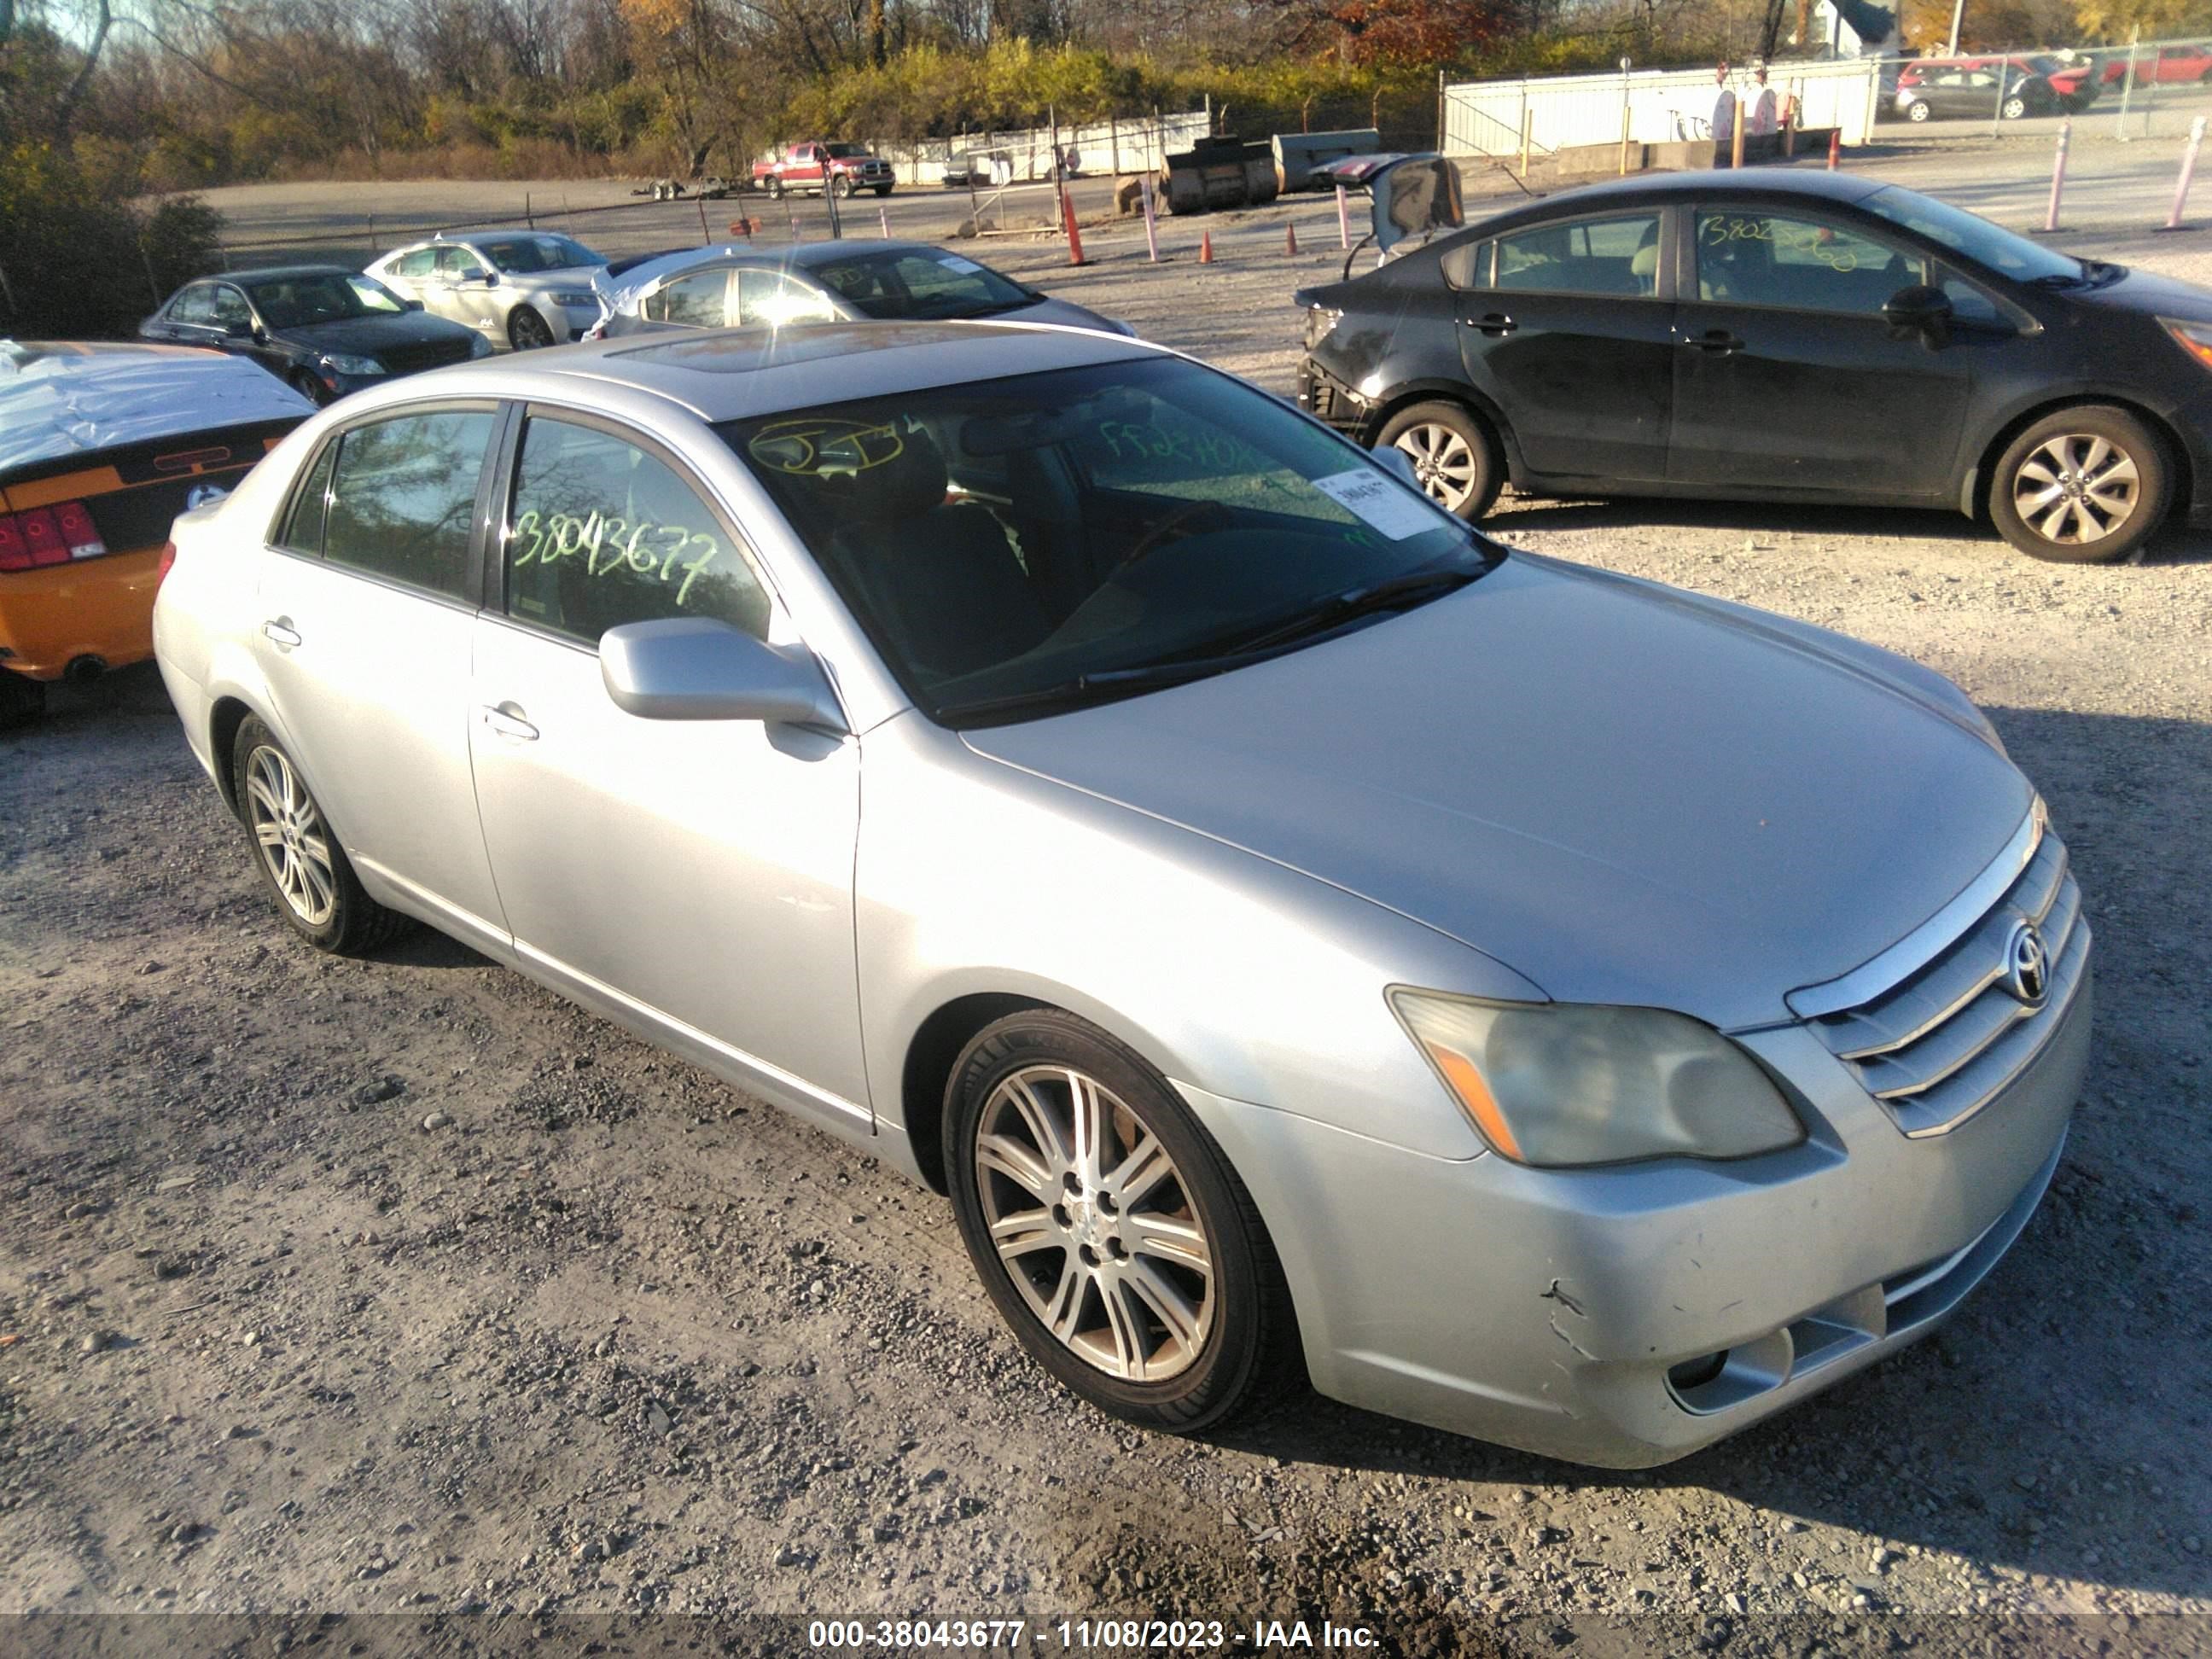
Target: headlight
[479,346]
[339,364]
[567,297]
[2195,339]
[1320,320]
[1555,1084]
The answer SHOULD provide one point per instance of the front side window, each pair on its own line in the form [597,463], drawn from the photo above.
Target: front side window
[402,495]
[457,265]
[925,285]
[600,533]
[1617,255]
[195,304]
[1016,544]
[230,308]
[1752,259]
[699,300]
[417,265]
[770,299]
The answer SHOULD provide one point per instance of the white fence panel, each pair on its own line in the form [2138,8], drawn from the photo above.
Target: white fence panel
[1485,117]
[1140,145]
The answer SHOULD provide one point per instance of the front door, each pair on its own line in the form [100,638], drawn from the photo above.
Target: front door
[367,606]
[695,877]
[462,275]
[1788,377]
[1567,327]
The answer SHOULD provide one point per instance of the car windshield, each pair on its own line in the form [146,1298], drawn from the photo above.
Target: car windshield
[920,282]
[1016,547]
[321,297]
[847,152]
[523,255]
[1989,246]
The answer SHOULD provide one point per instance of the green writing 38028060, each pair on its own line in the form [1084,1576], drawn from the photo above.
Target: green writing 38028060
[608,543]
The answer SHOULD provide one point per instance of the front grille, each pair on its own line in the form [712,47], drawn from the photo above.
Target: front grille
[431,354]
[1941,1043]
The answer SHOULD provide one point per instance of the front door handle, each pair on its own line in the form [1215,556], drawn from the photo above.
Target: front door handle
[279,630]
[505,719]
[1496,324]
[1718,341]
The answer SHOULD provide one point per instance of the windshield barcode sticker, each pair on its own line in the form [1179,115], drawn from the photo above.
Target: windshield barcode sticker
[1381,504]
[954,262]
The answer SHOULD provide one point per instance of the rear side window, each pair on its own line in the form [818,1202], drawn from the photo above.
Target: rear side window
[302,532]
[1590,256]
[699,300]
[402,496]
[601,533]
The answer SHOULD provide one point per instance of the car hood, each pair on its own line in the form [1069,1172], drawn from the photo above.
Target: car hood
[1626,794]
[366,336]
[1060,312]
[577,278]
[2153,295]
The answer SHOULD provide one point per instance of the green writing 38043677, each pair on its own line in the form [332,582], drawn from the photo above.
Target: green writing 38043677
[607,543]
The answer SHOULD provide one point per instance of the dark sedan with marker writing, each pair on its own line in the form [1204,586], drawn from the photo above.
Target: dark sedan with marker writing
[1790,338]
[323,330]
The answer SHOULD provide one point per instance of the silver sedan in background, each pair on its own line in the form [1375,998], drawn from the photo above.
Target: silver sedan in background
[1301,936]
[518,288]
[738,286]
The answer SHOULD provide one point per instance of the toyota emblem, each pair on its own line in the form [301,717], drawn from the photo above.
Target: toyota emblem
[2027,964]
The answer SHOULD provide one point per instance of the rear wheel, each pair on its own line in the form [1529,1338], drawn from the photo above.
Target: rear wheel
[1918,111]
[299,858]
[1109,1231]
[1454,455]
[2014,107]
[2083,486]
[526,330]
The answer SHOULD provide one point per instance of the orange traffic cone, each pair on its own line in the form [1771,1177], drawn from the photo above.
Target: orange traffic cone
[1206,247]
[1290,241]
[1074,236]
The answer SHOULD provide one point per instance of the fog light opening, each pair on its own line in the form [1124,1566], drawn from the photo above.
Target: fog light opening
[1696,1373]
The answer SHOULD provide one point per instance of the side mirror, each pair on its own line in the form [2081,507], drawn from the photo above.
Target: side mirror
[410,305]
[1919,307]
[491,279]
[1396,460]
[694,668]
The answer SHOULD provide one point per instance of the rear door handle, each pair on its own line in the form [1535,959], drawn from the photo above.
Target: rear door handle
[505,719]
[279,630]
[1716,341]
[1496,324]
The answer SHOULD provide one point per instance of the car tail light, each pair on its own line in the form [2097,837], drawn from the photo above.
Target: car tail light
[48,535]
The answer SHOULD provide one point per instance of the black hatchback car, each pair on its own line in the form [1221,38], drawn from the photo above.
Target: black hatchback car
[323,329]
[1789,337]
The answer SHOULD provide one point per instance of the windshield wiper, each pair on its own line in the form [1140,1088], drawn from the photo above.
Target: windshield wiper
[1090,688]
[1396,593]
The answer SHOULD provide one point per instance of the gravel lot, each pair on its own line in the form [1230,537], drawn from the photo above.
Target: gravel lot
[343,1287]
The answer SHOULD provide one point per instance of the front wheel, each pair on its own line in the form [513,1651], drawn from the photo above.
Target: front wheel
[1109,1231]
[1454,455]
[841,185]
[2014,108]
[299,859]
[526,330]
[1917,112]
[2083,486]
[776,190]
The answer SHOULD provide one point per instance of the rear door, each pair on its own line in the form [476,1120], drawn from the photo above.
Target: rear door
[1568,327]
[1788,375]
[367,605]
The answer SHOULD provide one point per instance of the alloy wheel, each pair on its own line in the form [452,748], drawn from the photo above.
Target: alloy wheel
[2076,487]
[526,330]
[292,837]
[1441,461]
[1094,1225]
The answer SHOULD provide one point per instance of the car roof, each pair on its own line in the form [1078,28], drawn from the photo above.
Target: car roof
[65,399]
[1774,184]
[728,374]
[632,283]
[278,274]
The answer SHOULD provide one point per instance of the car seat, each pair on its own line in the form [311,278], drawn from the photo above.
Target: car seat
[1644,263]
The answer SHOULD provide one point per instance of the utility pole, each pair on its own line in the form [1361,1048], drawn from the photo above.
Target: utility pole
[1958,11]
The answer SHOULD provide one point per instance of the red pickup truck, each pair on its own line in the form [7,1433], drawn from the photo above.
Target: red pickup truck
[842,168]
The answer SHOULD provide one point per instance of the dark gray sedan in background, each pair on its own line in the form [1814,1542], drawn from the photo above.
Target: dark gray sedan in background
[1288,925]
[738,286]
[323,330]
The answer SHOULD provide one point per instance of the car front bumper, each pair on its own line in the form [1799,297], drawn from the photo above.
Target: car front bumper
[1545,1309]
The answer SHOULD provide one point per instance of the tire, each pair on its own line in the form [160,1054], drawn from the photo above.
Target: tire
[2085,485]
[1918,111]
[884,190]
[776,190]
[842,185]
[2014,108]
[526,330]
[313,389]
[1191,1348]
[1454,452]
[301,862]
[23,700]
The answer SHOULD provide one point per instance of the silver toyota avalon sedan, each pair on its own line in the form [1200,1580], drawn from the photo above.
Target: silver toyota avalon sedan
[1303,938]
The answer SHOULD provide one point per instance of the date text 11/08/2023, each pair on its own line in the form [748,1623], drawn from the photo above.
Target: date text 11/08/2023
[1087,1635]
